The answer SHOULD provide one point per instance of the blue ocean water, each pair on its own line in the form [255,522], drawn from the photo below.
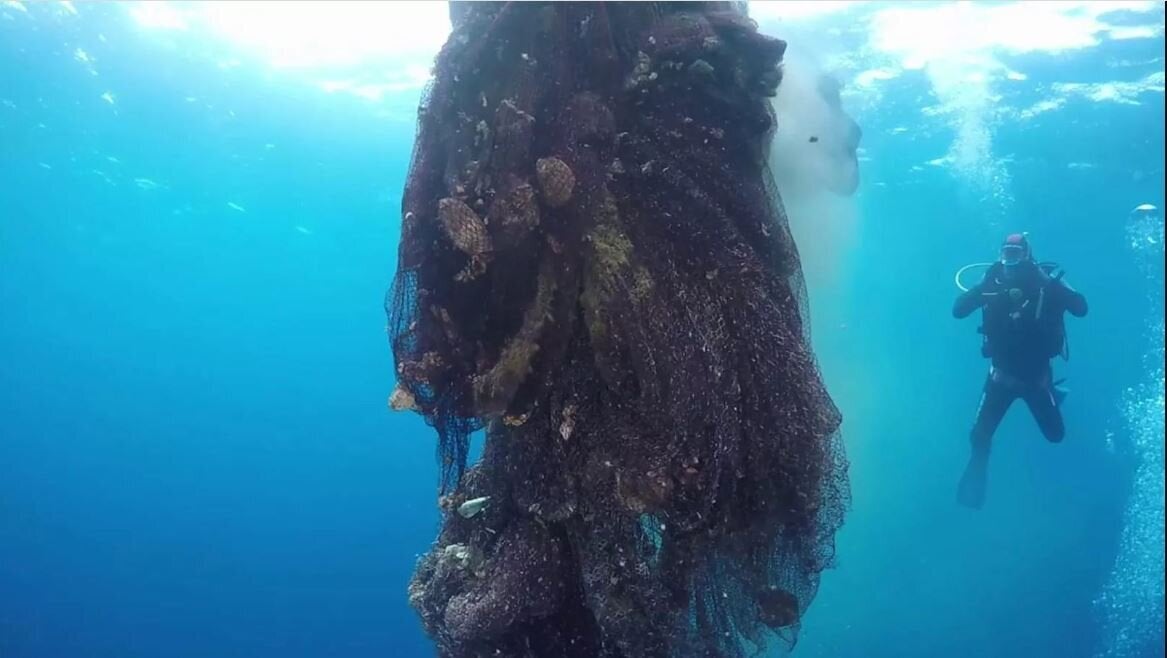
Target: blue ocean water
[198,224]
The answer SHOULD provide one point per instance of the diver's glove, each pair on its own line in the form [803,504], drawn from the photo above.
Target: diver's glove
[1043,277]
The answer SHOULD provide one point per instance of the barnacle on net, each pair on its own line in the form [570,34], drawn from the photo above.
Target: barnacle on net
[463,226]
[475,267]
[556,180]
[568,425]
[402,400]
[422,370]
[468,233]
[515,420]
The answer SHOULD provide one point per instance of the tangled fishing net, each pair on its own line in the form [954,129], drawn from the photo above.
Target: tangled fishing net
[595,269]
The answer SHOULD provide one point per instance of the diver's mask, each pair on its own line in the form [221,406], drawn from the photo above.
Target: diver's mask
[1014,252]
[1013,255]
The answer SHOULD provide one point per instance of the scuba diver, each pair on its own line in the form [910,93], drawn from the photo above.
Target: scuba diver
[1023,327]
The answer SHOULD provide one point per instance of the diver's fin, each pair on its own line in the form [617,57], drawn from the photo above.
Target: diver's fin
[1059,392]
[971,492]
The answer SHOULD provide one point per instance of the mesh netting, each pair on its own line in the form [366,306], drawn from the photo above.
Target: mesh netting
[595,268]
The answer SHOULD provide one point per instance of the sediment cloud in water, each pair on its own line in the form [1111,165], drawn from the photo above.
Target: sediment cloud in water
[815,165]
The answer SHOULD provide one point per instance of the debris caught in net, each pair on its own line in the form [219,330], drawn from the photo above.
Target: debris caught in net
[596,270]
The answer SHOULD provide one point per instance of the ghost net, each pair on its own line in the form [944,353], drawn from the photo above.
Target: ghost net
[595,269]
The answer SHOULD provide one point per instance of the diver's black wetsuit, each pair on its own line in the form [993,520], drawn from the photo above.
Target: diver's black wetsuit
[1023,330]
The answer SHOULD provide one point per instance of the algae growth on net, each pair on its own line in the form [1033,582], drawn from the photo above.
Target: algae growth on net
[595,269]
